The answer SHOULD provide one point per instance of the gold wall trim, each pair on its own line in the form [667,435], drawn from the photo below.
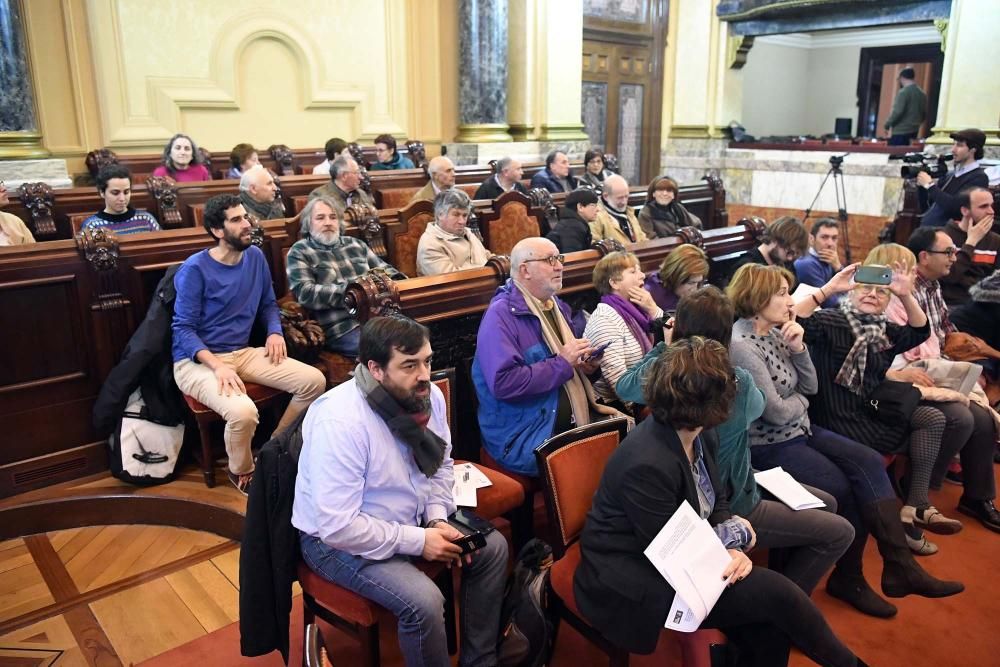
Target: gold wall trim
[690,132]
[483,133]
[20,145]
[562,132]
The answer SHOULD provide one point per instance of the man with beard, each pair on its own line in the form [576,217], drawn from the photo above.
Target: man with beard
[221,292]
[321,265]
[784,241]
[615,219]
[373,492]
[978,246]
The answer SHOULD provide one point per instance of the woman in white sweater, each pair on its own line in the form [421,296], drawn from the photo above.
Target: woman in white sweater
[621,320]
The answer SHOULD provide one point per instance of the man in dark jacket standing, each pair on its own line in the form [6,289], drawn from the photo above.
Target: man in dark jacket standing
[942,195]
[572,234]
[908,110]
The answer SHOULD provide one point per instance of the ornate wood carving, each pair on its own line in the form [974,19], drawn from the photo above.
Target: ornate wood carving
[605,246]
[366,181]
[473,224]
[164,191]
[39,200]
[256,233]
[100,249]
[358,153]
[454,341]
[278,194]
[206,158]
[418,154]
[283,155]
[375,294]
[493,165]
[756,226]
[720,216]
[100,158]
[365,218]
[542,198]
[691,235]
[610,162]
[501,266]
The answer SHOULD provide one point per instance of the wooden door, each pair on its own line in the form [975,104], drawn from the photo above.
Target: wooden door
[877,85]
[622,83]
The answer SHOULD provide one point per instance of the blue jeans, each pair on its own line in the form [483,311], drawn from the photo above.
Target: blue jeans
[347,344]
[852,473]
[418,605]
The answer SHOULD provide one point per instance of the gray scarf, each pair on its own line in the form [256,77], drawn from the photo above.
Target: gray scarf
[410,427]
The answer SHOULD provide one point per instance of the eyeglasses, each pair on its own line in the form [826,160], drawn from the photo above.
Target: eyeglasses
[947,251]
[883,292]
[551,259]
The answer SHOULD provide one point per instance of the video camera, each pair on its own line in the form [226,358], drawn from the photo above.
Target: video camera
[914,163]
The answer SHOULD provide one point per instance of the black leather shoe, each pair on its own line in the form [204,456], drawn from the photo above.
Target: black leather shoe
[982,510]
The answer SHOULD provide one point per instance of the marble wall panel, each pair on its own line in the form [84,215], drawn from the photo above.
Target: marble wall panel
[595,111]
[630,98]
[17,106]
[797,190]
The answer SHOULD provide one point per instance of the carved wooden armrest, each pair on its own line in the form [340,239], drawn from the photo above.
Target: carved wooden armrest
[283,155]
[418,154]
[100,158]
[39,200]
[164,191]
[374,294]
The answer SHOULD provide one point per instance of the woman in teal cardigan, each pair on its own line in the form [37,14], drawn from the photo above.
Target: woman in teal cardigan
[810,541]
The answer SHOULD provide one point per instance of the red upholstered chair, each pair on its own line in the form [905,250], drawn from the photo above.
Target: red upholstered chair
[570,466]
[263,397]
[359,616]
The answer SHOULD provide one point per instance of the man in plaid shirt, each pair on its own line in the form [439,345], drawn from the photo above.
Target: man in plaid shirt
[321,264]
[970,430]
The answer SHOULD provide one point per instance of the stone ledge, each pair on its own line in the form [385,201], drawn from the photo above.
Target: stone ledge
[51,171]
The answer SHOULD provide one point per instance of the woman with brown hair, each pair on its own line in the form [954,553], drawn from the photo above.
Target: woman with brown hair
[768,342]
[663,213]
[621,320]
[669,459]
[682,271]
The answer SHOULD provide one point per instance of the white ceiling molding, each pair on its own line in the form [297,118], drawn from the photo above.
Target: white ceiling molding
[876,36]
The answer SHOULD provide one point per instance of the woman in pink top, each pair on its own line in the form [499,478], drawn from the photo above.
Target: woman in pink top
[181,161]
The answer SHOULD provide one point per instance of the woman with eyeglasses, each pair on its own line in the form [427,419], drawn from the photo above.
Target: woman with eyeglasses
[594,171]
[682,271]
[663,213]
[620,323]
[388,157]
[768,342]
[852,348]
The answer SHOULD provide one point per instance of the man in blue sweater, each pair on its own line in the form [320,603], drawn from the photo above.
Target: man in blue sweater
[822,260]
[221,291]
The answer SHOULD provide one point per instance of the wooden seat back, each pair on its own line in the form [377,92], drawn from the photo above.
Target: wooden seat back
[404,237]
[511,220]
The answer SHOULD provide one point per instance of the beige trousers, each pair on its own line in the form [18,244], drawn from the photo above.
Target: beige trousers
[304,382]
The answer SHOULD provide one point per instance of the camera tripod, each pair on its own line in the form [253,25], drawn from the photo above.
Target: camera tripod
[838,189]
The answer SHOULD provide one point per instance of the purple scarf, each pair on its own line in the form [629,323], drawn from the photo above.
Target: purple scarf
[637,321]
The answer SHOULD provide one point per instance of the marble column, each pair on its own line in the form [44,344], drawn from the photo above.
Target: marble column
[482,84]
[19,135]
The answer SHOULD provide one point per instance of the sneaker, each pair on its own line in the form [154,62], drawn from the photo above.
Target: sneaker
[241,482]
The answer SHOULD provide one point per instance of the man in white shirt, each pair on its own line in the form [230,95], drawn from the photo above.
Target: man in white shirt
[373,492]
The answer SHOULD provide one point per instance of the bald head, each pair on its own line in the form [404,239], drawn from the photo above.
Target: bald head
[616,192]
[259,184]
[442,171]
[534,267]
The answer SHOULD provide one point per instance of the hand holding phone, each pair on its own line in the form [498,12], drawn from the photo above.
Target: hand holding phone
[598,352]
[873,274]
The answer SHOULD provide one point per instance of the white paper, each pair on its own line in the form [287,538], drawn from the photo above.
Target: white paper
[690,556]
[470,473]
[464,492]
[787,490]
[804,292]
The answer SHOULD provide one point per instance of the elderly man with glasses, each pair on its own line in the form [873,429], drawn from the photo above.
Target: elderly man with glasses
[531,366]
[344,186]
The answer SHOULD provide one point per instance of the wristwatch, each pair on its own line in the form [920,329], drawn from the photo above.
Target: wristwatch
[434,522]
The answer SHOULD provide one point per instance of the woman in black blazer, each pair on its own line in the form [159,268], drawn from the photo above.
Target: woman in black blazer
[665,460]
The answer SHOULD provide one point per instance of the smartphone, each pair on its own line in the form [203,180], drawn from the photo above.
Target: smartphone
[598,351]
[873,274]
[474,530]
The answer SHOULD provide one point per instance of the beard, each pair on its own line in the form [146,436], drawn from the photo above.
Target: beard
[327,238]
[775,255]
[237,242]
[411,400]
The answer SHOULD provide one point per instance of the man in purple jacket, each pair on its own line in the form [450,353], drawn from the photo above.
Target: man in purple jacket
[221,291]
[528,355]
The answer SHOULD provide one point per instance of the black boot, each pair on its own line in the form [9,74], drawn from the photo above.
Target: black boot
[855,591]
[901,575]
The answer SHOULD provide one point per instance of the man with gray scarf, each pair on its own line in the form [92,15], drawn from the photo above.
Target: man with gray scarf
[374,490]
[320,266]
[258,194]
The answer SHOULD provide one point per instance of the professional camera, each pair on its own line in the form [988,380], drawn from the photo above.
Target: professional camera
[914,163]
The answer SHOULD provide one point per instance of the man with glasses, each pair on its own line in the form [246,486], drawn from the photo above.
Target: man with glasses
[531,366]
[615,218]
[448,244]
[977,245]
[13,231]
[221,292]
[784,240]
[344,186]
[970,430]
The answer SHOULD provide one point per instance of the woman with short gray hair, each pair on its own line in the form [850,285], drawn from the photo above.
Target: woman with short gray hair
[448,244]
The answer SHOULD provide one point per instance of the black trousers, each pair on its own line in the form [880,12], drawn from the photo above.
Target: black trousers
[902,139]
[765,614]
[970,433]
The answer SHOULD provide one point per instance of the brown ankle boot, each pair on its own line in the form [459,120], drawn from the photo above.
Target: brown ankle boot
[901,575]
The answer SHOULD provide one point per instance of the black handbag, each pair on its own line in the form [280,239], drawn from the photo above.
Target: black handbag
[894,402]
